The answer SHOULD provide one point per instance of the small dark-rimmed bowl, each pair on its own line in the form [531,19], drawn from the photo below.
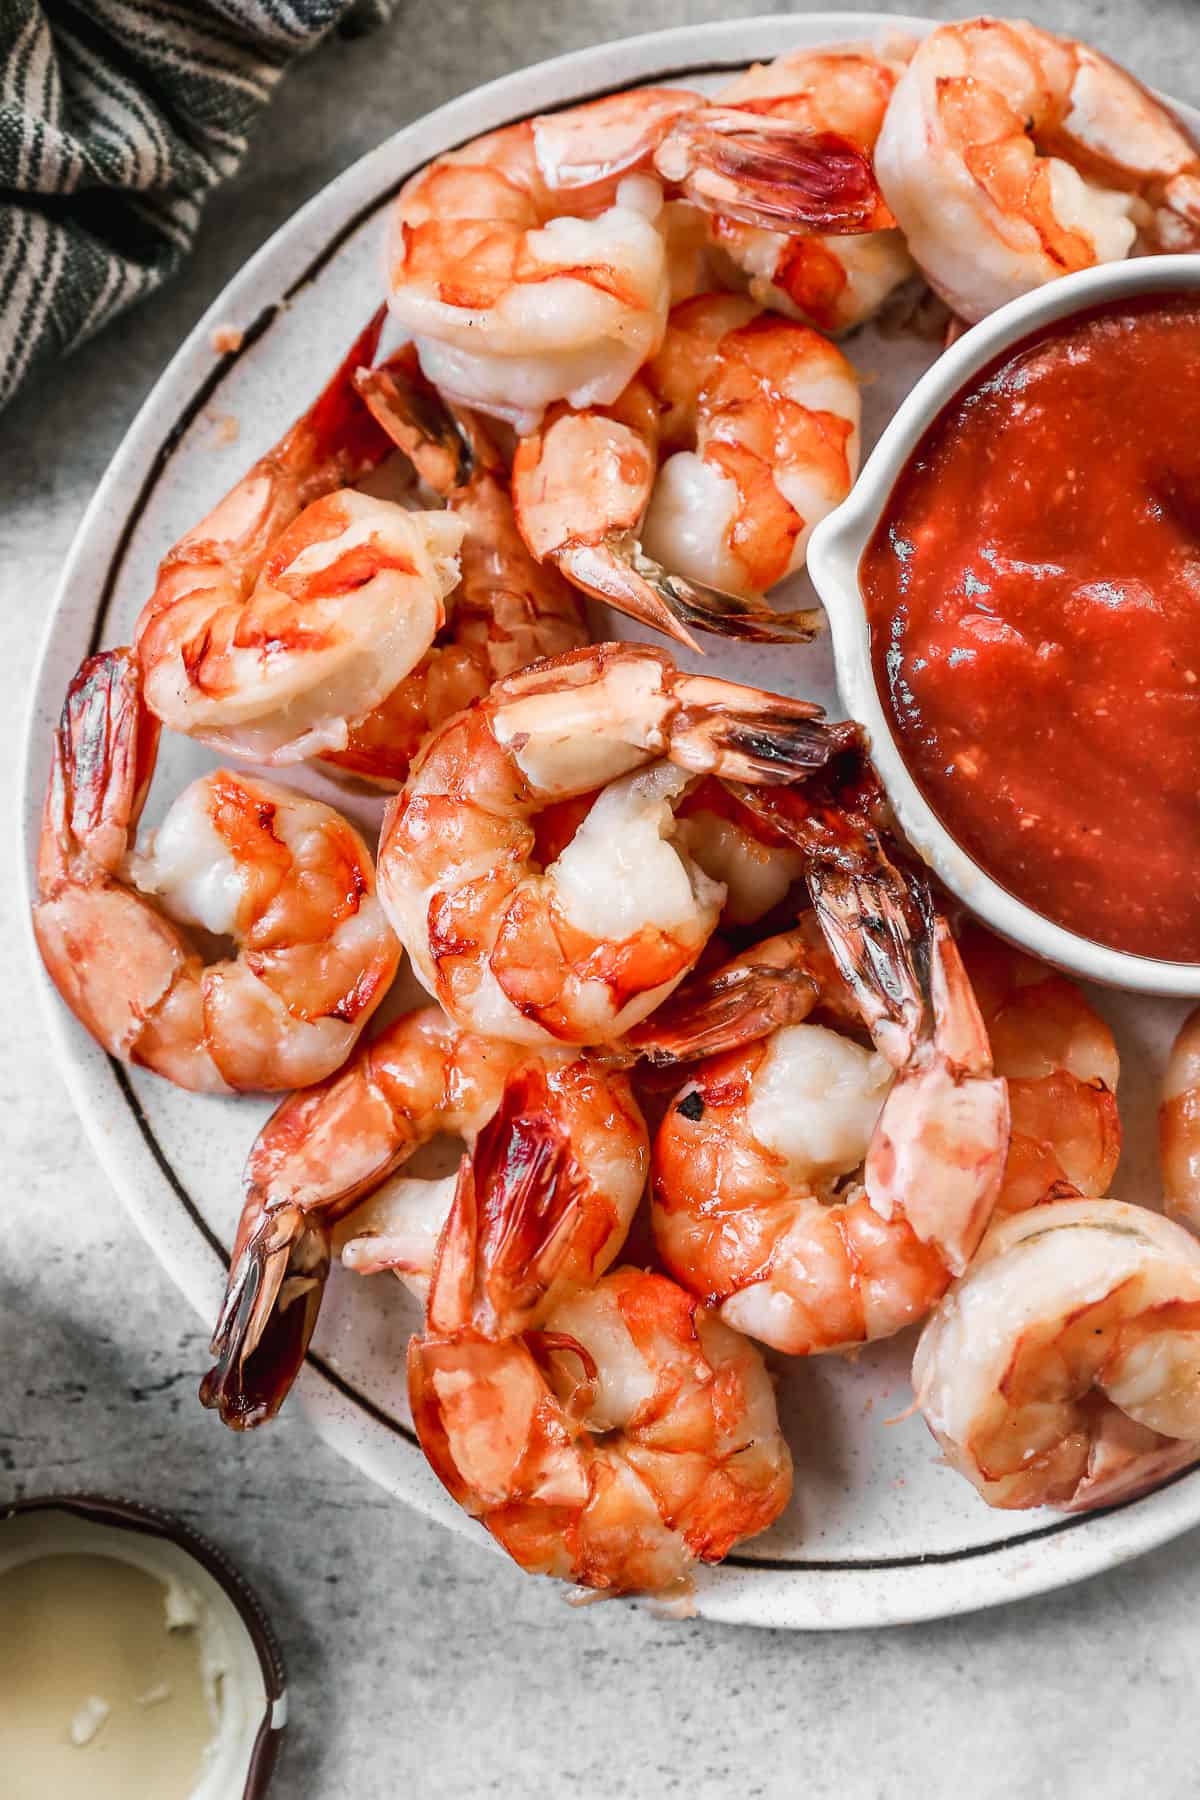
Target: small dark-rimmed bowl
[255,1683]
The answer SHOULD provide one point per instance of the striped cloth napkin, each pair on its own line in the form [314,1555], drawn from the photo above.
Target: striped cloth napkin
[117,117]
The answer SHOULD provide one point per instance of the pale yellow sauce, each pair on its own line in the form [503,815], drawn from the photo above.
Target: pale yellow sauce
[80,1629]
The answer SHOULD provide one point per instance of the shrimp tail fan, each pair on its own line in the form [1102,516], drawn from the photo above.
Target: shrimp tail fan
[747,734]
[715,1013]
[879,925]
[271,1305]
[339,429]
[427,1359]
[510,1226]
[877,919]
[618,572]
[103,759]
[770,172]
[837,814]
[417,420]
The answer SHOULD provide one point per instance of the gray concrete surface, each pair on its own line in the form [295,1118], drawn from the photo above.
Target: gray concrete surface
[420,1667]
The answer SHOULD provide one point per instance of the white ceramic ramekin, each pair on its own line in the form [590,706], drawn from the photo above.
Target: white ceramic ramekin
[250,1685]
[833,558]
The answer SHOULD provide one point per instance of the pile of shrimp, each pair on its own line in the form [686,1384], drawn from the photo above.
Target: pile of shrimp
[724,1078]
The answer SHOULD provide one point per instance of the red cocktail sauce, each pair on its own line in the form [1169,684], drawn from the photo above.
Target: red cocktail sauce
[1033,590]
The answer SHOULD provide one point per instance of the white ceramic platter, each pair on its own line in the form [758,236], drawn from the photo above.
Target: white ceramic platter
[878,1532]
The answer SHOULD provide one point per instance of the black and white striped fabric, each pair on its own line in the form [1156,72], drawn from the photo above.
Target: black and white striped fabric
[117,117]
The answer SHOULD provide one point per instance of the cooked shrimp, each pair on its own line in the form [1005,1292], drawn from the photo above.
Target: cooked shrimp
[582,949]
[836,817]
[628,1439]
[513,304]
[581,485]
[759,429]
[329,1155]
[1062,1369]
[528,266]
[752,1206]
[284,876]
[835,282]
[1179,1127]
[757,864]
[1061,1064]
[1010,156]
[758,420]
[298,604]
[781,981]
[507,610]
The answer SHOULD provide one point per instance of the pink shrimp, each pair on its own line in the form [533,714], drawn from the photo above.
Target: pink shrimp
[1179,1127]
[629,1438]
[1010,156]
[285,876]
[583,949]
[752,1208]
[1061,1065]
[831,282]
[1061,1369]
[757,420]
[528,266]
[507,610]
[298,604]
[323,1170]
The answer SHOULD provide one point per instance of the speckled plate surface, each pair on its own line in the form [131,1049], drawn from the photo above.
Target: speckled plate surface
[878,1532]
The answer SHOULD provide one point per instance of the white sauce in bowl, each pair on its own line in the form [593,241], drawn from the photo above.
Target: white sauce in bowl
[125,1667]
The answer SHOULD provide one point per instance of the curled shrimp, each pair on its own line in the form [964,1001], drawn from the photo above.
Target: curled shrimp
[507,610]
[831,282]
[760,439]
[298,604]
[581,484]
[628,1439]
[757,419]
[1010,156]
[528,266]
[323,1171]
[752,1205]
[1061,1369]
[1061,1065]
[285,876]
[583,948]
[510,302]
[1179,1127]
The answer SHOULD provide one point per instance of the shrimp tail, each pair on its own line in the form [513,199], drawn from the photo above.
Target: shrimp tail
[879,926]
[405,403]
[835,817]
[87,922]
[618,572]
[747,734]
[942,1139]
[774,174]
[515,1207]
[426,1360]
[323,1148]
[877,920]
[102,763]
[723,1011]
[270,1310]
[338,433]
